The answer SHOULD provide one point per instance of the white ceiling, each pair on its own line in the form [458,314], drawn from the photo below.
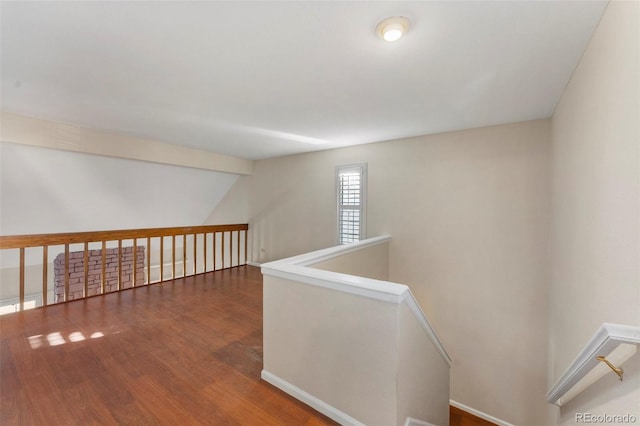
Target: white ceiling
[264,79]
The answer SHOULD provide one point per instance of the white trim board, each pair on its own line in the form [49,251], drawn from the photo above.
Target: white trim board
[479,413]
[23,130]
[367,287]
[315,403]
[323,255]
[343,418]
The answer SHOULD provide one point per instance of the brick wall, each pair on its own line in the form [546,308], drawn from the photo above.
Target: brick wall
[76,272]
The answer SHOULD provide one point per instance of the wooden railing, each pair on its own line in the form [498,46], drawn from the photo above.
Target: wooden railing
[205,248]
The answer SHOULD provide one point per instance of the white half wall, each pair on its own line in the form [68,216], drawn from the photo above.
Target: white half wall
[358,349]
[595,275]
[420,368]
[310,331]
[468,216]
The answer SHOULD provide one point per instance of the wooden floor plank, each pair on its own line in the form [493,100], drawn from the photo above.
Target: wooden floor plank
[458,417]
[172,409]
[87,406]
[187,351]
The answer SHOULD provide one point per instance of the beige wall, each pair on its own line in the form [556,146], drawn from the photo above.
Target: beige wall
[468,216]
[51,191]
[596,199]
[10,279]
[369,262]
[336,346]
[286,202]
[423,375]
[46,190]
[370,359]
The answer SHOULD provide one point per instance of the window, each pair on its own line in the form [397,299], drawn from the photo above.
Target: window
[351,187]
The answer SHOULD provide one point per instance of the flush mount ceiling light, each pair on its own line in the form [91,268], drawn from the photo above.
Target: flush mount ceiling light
[392,29]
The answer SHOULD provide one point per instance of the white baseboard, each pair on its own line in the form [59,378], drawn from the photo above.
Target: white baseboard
[415,422]
[315,403]
[480,414]
[256,264]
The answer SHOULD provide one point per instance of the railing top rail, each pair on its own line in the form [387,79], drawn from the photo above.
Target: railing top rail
[38,240]
[322,255]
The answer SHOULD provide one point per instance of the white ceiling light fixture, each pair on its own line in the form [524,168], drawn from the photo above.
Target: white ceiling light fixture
[393,28]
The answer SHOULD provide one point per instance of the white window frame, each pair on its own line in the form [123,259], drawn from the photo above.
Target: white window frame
[362,207]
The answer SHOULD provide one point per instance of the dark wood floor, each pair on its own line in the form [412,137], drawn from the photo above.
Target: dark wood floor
[458,417]
[183,352]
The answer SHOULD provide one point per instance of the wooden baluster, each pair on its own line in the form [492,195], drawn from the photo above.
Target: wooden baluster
[85,291]
[184,255]
[173,257]
[161,258]
[148,260]
[103,282]
[204,256]
[45,266]
[214,251]
[195,254]
[238,259]
[66,240]
[66,272]
[135,262]
[21,307]
[119,265]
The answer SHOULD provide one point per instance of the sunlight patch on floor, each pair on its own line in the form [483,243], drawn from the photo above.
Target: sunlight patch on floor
[56,338]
